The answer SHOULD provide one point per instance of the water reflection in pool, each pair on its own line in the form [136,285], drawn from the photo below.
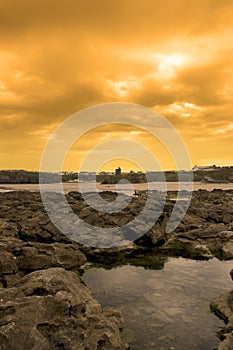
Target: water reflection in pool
[168,308]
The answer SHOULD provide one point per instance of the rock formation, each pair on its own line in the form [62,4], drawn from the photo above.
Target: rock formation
[223,308]
[44,303]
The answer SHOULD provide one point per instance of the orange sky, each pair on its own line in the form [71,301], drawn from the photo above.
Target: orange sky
[57,57]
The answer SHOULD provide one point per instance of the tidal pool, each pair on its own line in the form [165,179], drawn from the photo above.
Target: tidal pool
[168,308]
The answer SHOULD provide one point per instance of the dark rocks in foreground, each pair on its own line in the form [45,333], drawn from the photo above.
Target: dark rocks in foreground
[44,304]
[18,258]
[205,231]
[207,228]
[223,308]
[52,309]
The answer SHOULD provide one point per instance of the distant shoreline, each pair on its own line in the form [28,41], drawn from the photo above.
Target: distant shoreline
[215,175]
[123,188]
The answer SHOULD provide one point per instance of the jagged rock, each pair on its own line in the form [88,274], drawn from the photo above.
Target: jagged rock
[53,309]
[227,250]
[8,228]
[121,219]
[210,215]
[187,248]
[50,308]
[154,237]
[223,308]
[18,258]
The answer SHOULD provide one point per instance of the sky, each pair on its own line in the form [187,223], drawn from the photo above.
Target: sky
[58,57]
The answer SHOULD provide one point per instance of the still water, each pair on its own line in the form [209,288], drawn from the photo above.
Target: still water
[168,308]
[127,188]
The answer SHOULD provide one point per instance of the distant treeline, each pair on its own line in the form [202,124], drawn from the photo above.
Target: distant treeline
[32,177]
[25,177]
[139,177]
[223,174]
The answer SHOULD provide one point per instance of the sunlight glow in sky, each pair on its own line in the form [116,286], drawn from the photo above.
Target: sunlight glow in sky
[57,58]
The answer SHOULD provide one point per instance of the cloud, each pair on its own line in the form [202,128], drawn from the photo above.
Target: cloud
[58,57]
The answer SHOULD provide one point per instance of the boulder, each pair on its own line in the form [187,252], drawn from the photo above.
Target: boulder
[18,258]
[223,308]
[52,309]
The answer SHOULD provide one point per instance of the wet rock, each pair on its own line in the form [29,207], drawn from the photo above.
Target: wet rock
[8,267]
[223,308]
[186,248]
[227,250]
[8,228]
[154,237]
[50,308]
[18,258]
[43,302]
[53,309]
[201,232]
[119,219]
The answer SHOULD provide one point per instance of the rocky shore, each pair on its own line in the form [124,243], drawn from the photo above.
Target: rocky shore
[223,308]
[43,302]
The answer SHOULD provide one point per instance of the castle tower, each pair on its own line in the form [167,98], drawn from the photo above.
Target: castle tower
[118,171]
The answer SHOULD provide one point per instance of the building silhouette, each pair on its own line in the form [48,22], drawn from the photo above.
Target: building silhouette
[118,171]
